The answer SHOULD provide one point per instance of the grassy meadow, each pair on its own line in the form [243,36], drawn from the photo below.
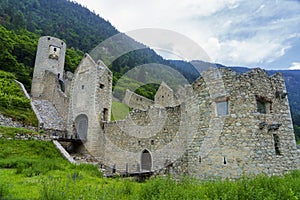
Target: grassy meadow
[36,170]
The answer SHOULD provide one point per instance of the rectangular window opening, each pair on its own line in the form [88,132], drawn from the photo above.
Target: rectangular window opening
[152,142]
[222,108]
[261,107]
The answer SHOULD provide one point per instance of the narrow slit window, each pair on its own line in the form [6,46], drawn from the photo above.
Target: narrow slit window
[224,160]
[276,144]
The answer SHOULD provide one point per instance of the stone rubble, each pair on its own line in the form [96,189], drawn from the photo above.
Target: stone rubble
[6,121]
[49,115]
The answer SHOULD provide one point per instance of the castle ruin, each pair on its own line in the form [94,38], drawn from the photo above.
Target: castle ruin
[223,125]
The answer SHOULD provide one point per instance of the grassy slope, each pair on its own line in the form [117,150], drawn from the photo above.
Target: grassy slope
[13,103]
[36,170]
[119,111]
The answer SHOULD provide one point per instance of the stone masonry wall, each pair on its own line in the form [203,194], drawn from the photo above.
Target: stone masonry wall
[90,96]
[157,130]
[54,94]
[136,101]
[165,96]
[244,143]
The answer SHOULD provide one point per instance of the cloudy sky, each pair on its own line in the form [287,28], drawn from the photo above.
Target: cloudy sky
[264,33]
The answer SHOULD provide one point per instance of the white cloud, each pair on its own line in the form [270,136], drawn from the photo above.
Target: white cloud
[295,66]
[232,32]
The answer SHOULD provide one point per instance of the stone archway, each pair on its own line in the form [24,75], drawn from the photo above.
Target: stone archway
[146,160]
[81,125]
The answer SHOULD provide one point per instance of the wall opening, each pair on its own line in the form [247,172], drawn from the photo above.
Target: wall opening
[222,108]
[101,86]
[224,160]
[81,127]
[146,160]
[105,114]
[261,107]
[276,144]
[264,104]
[54,52]
[152,142]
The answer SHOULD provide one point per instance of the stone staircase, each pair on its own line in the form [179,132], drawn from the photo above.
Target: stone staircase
[49,115]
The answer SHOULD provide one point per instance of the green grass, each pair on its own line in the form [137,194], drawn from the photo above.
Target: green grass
[10,132]
[119,111]
[13,103]
[36,170]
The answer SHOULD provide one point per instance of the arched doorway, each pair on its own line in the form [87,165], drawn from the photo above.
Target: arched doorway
[81,125]
[146,161]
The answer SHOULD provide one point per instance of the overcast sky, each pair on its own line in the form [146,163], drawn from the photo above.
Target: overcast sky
[264,33]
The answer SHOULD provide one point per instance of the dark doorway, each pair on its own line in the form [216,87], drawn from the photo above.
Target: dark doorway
[81,125]
[146,161]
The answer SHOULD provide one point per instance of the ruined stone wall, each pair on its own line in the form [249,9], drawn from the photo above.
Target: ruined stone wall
[165,96]
[104,91]
[157,130]
[90,96]
[136,101]
[54,94]
[224,125]
[242,141]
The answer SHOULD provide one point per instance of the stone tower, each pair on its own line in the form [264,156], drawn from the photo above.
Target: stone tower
[50,57]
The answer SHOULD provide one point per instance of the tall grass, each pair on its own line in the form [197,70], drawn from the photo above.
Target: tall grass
[36,170]
[286,187]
